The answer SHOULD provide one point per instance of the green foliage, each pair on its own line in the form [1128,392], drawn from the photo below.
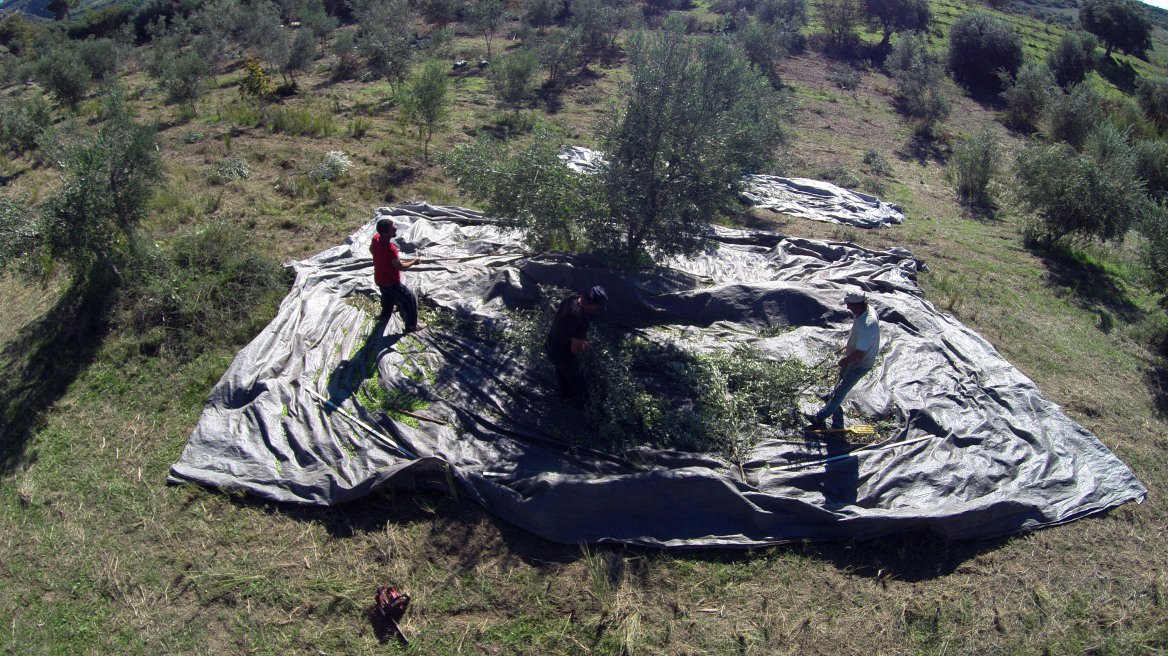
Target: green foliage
[898,16]
[1154,254]
[877,163]
[384,41]
[207,287]
[541,13]
[920,81]
[554,205]
[64,74]
[232,167]
[1028,96]
[513,77]
[108,177]
[18,33]
[1074,115]
[105,22]
[1152,95]
[1073,58]
[440,12]
[1120,24]
[18,231]
[185,78]
[558,51]
[22,122]
[1152,166]
[763,47]
[981,48]
[255,83]
[101,57]
[427,103]
[975,163]
[1096,194]
[334,165]
[840,20]
[486,17]
[693,118]
[300,55]
[345,49]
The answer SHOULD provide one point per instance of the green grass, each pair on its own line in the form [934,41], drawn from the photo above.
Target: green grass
[98,555]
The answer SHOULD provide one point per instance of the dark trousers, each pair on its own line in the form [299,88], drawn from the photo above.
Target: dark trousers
[401,297]
[569,378]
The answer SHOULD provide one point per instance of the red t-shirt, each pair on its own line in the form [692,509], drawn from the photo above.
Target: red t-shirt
[384,253]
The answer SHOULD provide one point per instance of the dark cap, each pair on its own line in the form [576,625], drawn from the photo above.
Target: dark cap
[597,296]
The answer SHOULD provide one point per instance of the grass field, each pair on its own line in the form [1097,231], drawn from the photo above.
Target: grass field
[99,556]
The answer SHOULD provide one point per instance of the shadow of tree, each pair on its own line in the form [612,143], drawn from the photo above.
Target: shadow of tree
[923,149]
[1120,73]
[1092,289]
[46,357]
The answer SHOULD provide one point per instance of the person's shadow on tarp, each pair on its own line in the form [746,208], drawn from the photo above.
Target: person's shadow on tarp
[346,378]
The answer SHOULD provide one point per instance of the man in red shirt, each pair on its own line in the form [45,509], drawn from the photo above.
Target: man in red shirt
[387,268]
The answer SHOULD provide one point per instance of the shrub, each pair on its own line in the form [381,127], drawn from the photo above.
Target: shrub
[334,165]
[919,81]
[206,288]
[1119,24]
[1074,115]
[512,76]
[555,213]
[1152,94]
[877,163]
[840,20]
[898,16]
[427,103]
[101,57]
[975,162]
[1152,166]
[1081,196]
[1154,254]
[1028,96]
[232,167]
[981,49]
[1072,59]
[62,71]
[22,122]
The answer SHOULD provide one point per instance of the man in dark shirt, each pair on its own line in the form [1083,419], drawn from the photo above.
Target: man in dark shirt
[568,337]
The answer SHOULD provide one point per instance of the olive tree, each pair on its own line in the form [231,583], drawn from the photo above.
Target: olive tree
[693,117]
[1120,24]
[981,47]
[426,104]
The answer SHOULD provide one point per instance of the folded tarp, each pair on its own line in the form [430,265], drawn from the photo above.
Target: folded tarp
[980,453]
[798,197]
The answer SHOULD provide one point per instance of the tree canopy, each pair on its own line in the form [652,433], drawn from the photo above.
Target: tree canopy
[1120,24]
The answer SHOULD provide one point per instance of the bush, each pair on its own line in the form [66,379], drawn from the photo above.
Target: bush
[1152,166]
[1154,254]
[1072,59]
[1028,96]
[232,167]
[334,165]
[877,163]
[1152,94]
[919,81]
[556,213]
[1075,115]
[65,75]
[975,163]
[101,57]
[207,288]
[1081,196]
[512,76]
[981,49]
[22,122]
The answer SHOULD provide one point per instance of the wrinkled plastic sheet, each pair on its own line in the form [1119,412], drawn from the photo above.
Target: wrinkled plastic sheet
[803,198]
[980,453]
[820,201]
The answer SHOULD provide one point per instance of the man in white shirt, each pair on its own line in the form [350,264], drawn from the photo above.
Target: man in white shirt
[859,357]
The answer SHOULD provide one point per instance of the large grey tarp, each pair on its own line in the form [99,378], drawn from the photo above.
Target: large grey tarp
[981,453]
